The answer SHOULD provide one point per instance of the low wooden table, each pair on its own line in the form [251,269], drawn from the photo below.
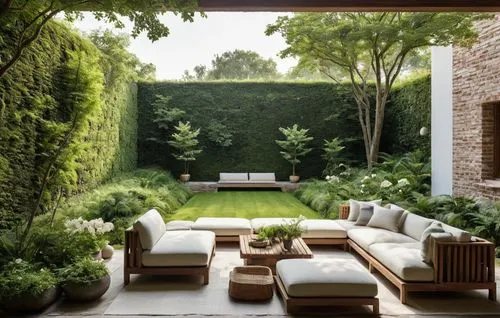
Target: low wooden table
[271,254]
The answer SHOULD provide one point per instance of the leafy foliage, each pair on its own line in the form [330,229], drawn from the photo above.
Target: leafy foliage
[295,144]
[186,144]
[219,133]
[83,272]
[332,149]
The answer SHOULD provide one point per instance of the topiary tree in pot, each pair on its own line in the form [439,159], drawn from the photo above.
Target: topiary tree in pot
[185,141]
[294,146]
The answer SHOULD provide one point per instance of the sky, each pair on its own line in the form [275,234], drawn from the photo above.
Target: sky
[191,44]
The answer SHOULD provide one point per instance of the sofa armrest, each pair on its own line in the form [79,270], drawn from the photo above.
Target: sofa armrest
[464,262]
[132,249]
[343,211]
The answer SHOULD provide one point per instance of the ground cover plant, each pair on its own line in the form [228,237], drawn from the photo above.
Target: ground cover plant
[243,204]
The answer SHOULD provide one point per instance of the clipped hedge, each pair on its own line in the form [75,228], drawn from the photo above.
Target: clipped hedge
[253,112]
[106,146]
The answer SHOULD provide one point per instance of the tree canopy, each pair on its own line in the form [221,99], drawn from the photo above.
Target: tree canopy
[237,65]
[369,46]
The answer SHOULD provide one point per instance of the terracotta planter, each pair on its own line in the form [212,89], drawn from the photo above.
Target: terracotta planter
[32,303]
[287,244]
[294,179]
[87,292]
[185,177]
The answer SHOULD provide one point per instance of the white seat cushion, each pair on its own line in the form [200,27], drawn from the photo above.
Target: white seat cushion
[404,260]
[227,176]
[349,225]
[366,236]
[257,223]
[181,248]
[150,227]
[414,225]
[177,225]
[316,228]
[326,278]
[223,226]
[254,176]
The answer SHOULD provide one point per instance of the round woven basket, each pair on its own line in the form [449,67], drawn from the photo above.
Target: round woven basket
[251,283]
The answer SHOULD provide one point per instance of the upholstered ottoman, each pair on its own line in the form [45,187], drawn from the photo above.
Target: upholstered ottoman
[225,229]
[325,282]
[319,231]
[179,225]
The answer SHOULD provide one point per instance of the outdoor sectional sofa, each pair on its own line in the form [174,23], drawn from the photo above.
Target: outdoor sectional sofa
[459,262]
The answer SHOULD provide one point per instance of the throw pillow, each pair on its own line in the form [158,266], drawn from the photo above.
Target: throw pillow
[365,214]
[354,208]
[432,233]
[385,218]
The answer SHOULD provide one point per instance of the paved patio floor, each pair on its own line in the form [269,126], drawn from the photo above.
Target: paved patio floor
[153,296]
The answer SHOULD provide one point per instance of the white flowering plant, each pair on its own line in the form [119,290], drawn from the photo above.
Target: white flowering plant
[91,233]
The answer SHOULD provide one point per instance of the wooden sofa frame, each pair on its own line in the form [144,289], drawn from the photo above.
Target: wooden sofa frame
[133,264]
[458,266]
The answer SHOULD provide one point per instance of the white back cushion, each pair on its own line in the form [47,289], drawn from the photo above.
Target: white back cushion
[262,176]
[414,225]
[385,218]
[458,234]
[151,228]
[228,176]
[354,208]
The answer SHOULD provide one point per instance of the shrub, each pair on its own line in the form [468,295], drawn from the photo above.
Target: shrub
[83,271]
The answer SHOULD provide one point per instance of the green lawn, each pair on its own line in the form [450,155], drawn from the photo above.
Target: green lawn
[244,204]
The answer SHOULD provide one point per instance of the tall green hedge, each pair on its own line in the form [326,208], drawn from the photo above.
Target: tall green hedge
[34,113]
[253,112]
[409,110]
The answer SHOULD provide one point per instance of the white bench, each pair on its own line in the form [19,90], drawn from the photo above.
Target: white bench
[247,180]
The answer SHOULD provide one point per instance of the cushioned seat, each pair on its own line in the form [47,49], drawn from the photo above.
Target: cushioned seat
[262,177]
[316,228]
[404,260]
[223,226]
[177,225]
[257,223]
[232,177]
[367,236]
[181,248]
[349,225]
[325,278]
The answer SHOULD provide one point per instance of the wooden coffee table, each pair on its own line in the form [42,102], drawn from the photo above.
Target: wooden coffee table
[269,255]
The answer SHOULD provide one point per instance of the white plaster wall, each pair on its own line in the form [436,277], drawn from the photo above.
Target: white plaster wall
[442,120]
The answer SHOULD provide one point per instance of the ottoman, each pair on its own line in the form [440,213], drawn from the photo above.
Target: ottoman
[251,283]
[325,282]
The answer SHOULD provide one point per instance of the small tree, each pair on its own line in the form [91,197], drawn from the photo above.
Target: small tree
[295,144]
[331,149]
[185,142]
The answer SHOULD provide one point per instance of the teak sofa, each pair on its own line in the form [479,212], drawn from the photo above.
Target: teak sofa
[151,249]
[463,263]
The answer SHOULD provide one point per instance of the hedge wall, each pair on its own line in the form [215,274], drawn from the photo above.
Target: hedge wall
[409,110]
[34,114]
[253,112]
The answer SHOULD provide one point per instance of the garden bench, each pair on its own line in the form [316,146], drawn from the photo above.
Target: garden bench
[247,180]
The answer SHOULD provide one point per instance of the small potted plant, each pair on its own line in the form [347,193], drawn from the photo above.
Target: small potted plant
[185,142]
[294,146]
[89,235]
[26,287]
[290,230]
[271,233]
[85,280]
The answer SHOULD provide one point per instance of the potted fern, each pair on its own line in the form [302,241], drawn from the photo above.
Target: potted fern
[290,230]
[85,280]
[294,146]
[185,141]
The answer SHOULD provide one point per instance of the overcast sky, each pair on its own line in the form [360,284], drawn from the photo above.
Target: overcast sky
[191,44]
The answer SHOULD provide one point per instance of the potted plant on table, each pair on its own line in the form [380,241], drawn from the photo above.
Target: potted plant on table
[27,287]
[85,280]
[290,230]
[185,141]
[294,146]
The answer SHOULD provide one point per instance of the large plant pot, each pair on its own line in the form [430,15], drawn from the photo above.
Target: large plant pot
[87,292]
[287,244]
[294,179]
[32,303]
[185,177]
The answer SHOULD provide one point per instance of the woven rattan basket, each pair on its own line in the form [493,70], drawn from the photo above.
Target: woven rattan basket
[251,283]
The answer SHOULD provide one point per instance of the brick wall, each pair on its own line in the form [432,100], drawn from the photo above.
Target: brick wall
[476,90]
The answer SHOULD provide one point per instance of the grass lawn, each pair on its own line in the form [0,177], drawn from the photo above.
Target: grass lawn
[243,204]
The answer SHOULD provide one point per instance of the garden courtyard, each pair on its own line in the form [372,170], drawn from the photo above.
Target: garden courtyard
[126,192]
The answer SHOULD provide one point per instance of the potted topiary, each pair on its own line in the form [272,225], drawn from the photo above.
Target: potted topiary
[26,287]
[290,230]
[186,144]
[85,280]
[294,146]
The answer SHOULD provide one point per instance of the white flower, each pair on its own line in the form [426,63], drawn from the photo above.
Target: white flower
[18,261]
[327,178]
[334,179]
[403,182]
[365,178]
[374,175]
[385,184]
[363,185]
